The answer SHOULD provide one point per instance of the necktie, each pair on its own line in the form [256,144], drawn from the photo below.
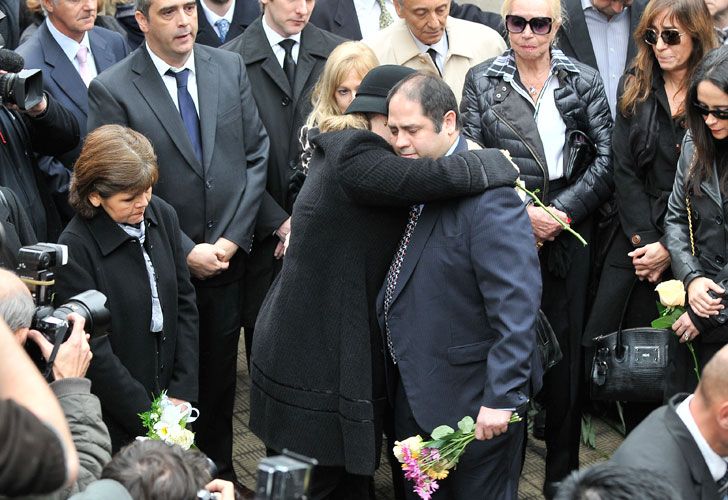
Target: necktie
[722,484]
[289,65]
[393,273]
[83,67]
[433,55]
[223,26]
[385,19]
[187,110]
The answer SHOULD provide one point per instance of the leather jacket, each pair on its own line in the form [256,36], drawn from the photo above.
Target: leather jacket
[496,115]
[709,227]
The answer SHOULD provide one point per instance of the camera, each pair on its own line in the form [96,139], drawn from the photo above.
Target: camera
[35,268]
[24,89]
[284,477]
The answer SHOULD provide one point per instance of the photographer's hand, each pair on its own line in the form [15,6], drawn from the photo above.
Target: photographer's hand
[224,488]
[74,355]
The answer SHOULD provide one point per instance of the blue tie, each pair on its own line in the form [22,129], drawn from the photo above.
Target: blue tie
[187,110]
[223,26]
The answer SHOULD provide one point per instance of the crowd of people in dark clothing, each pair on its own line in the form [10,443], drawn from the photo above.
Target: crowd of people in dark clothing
[414,211]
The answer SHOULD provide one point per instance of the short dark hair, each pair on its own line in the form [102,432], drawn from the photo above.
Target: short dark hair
[608,481]
[114,159]
[434,95]
[143,6]
[153,470]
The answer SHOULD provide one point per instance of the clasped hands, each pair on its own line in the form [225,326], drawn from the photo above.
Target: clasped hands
[650,261]
[206,260]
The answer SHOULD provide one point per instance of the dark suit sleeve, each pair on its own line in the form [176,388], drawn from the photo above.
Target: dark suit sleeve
[506,267]
[121,395]
[55,131]
[373,175]
[184,382]
[240,228]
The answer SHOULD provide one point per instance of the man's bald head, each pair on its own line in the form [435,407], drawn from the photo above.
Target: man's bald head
[713,385]
[16,304]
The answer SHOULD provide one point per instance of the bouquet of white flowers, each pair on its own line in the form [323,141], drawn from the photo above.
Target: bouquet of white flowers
[167,422]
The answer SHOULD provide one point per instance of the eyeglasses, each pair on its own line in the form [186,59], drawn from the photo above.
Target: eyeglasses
[720,114]
[670,36]
[539,25]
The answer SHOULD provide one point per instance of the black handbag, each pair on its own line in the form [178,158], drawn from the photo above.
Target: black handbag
[548,345]
[631,364]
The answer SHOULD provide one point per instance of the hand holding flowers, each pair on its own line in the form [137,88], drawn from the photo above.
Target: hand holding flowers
[167,421]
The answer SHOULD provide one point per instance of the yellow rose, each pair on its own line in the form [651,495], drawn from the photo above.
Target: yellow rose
[672,293]
[414,444]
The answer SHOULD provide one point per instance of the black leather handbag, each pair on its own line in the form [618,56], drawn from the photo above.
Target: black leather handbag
[548,345]
[630,364]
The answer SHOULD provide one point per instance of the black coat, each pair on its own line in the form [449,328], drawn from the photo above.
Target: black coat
[663,445]
[131,365]
[246,11]
[574,40]
[283,112]
[339,17]
[645,151]
[317,384]
[496,116]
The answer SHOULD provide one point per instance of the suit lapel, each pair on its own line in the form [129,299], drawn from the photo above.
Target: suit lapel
[208,78]
[312,49]
[578,34]
[345,12]
[63,72]
[417,243]
[257,48]
[103,56]
[152,89]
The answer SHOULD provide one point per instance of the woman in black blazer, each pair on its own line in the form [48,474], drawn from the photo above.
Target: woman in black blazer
[125,243]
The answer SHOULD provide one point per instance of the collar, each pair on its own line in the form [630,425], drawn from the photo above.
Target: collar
[212,18]
[440,47]
[454,145]
[69,46]
[109,235]
[587,4]
[716,464]
[274,38]
[504,66]
[162,66]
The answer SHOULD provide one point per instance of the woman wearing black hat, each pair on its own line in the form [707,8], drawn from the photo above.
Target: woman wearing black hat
[317,384]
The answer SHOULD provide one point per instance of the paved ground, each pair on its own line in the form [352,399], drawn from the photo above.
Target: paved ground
[247,449]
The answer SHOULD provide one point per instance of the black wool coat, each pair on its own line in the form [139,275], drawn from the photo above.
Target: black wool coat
[130,365]
[317,365]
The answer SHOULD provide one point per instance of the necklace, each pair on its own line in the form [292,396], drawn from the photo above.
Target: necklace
[534,89]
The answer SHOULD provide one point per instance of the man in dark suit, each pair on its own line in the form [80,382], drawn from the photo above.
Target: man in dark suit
[282,81]
[600,35]
[212,151]
[458,306]
[686,441]
[340,17]
[57,47]
[223,20]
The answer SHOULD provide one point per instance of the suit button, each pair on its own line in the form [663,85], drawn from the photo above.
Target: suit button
[210,224]
[719,260]
[498,95]
[208,184]
[164,339]
[285,101]
[718,220]
[636,239]
[162,367]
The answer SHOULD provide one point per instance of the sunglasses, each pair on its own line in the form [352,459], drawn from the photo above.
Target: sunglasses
[670,36]
[539,25]
[720,114]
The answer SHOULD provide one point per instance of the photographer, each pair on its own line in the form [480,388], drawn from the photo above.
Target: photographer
[46,128]
[81,409]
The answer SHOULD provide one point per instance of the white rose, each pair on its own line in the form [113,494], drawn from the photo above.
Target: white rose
[672,293]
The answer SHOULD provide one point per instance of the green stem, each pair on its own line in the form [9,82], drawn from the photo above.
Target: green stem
[563,224]
[695,359]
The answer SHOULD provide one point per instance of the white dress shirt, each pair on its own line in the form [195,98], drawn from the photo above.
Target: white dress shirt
[716,464]
[441,47]
[70,47]
[551,128]
[274,39]
[212,18]
[170,82]
[368,12]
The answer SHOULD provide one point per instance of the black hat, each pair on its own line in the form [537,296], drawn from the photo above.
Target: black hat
[374,87]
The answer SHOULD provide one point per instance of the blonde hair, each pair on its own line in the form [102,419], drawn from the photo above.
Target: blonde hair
[346,58]
[557,15]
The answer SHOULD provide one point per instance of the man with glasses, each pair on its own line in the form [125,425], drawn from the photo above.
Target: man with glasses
[426,38]
[600,35]
[719,10]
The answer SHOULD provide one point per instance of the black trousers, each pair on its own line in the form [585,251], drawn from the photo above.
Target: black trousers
[488,470]
[219,334]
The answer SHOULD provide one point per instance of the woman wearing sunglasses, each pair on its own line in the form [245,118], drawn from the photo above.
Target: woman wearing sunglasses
[672,37]
[695,224]
[551,114]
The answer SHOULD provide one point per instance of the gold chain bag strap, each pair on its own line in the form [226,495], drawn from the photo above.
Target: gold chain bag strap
[690,224]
